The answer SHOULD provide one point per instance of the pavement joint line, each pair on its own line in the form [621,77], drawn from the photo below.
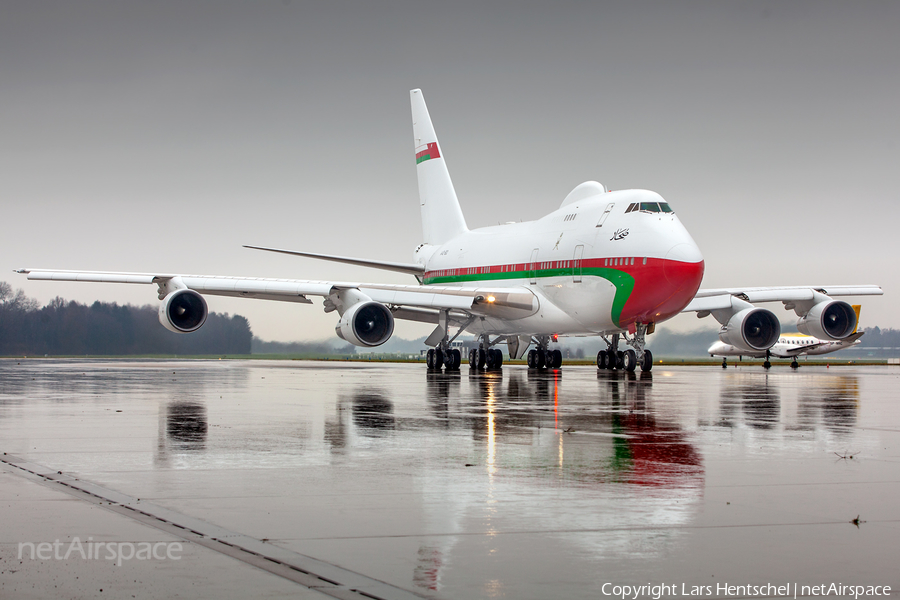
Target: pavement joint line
[307,571]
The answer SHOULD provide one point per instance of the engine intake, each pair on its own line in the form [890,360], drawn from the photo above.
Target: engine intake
[831,320]
[183,311]
[752,329]
[366,324]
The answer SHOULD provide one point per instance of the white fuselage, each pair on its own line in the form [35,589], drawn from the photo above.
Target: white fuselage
[788,346]
[593,266]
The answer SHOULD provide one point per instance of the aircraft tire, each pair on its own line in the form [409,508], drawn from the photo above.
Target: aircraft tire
[611,359]
[620,360]
[454,360]
[429,359]
[482,357]
[795,364]
[473,358]
[601,359]
[629,361]
[554,359]
[767,365]
[438,360]
[494,359]
[646,361]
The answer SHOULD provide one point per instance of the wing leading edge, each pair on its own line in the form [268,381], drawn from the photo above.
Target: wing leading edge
[501,302]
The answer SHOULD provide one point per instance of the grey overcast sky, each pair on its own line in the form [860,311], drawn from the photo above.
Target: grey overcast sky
[160,136]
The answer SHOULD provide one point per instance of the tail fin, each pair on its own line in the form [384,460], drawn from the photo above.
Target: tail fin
[442,218]
[856,308]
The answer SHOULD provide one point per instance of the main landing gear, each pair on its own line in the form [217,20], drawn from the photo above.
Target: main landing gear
[435,358]
[543,357]
[612,358]
[767,364]
[795,364]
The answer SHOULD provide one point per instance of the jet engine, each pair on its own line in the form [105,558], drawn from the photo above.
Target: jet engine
[183,311]
[366,324]
[752,329]
[828,320]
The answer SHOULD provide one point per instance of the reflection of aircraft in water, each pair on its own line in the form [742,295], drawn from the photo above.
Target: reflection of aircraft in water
[830,401]
[520,450]
[183,428]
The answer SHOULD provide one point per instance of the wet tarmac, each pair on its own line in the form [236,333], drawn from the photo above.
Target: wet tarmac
[494,485]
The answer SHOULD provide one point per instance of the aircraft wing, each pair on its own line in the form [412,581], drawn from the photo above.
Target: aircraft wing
[421,302]
[715,299]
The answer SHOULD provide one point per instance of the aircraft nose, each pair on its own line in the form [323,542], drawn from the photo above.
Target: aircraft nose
[684,265]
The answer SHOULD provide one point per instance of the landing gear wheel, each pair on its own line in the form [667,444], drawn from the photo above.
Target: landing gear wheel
[620,360]
[473,358]
[429,359]
[554,359]
[494,359]
[454,360]
[629,361]
[532,359]
[438,360]
[646,361]
[795,364]
[724,363]
[602,360]
[611,359]
[767,365]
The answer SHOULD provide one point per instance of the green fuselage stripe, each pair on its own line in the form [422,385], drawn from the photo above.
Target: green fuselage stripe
[623,281]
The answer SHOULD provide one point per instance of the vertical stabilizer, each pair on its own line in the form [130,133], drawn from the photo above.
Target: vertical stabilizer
[442,218]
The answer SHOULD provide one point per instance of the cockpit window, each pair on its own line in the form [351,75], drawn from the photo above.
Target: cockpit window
[650,207]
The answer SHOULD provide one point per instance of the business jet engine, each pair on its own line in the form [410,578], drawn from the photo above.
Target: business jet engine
[828,320]
[366,324]
[752,329]
[183,311]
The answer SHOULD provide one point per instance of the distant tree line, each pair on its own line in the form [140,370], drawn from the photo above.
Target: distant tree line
[259,346]
[69,328]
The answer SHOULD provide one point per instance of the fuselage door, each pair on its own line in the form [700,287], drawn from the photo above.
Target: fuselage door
[576,264]
[605,214]
[532,267]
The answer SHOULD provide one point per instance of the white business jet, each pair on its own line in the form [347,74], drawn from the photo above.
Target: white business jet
[608,264]
[790,345]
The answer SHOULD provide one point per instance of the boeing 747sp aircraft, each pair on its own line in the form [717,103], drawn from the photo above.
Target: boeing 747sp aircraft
[608,264]
[790,345]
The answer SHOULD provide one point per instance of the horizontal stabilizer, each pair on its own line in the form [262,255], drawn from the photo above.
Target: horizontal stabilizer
[408,268]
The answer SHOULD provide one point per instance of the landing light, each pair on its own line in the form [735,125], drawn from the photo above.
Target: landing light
[491,299]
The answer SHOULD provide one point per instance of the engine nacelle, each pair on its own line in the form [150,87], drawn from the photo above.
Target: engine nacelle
[831,320]
[183,311]
[366,324]
[752,329]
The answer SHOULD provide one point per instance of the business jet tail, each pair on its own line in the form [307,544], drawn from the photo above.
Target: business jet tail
[442,218]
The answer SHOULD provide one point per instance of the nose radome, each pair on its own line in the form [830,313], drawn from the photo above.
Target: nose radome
[681,261]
